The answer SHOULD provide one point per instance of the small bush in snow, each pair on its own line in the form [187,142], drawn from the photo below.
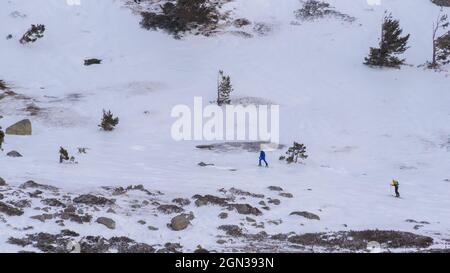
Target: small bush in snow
[108,121]
[441,43]
[313,9]
[224,89]
[33,34]
[92,61]
[182,16]
[391,45]
[3,85]
[63,155]
[294,153]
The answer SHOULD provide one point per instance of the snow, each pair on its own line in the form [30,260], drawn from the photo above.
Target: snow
[362,127]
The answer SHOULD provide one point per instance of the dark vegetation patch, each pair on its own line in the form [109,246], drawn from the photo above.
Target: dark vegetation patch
[358,240]
[180,16]
[313,9]
[442,3]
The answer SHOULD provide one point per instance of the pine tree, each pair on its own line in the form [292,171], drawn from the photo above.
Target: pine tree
[224,89]
[441,43]
[296,152]
[108,121]
[63,155]
[391,45]
[34,33]
[3,85]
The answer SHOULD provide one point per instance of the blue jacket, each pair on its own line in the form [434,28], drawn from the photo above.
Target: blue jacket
[262,155]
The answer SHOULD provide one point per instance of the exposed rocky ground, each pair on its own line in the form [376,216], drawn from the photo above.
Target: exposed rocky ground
[43,218]
[362,127]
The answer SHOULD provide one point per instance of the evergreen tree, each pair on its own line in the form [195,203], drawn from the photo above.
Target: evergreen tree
[63,155]
[391,45]
[3,85]
[108,121]
[34,33]
[296,152]
[224,89]
[441,43]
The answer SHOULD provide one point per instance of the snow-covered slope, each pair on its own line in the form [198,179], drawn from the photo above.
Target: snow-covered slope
[362,126]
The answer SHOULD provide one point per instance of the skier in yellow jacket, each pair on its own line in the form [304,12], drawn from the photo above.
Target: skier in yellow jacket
[395,184]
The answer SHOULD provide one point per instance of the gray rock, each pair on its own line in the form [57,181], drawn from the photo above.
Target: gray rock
[275,188]
[210,200]
[274,201]
[90,199]
[221,241]
[246,209]
[182,201]
[14,154]
[10,210]
[249,219]
[245,193]
[22,203]
[200,249]
[307,215]
[231,230]
[32,184]
[152,228]
[53,202]
[42,217]
[181,222]
[169,209]
[223,215]
[2,182]
[286,195]
[107,222]
[21,128]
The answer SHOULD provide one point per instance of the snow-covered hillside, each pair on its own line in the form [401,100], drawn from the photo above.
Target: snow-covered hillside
[362,126]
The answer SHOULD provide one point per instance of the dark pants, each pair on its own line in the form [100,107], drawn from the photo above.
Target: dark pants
[261,159]
[397,194]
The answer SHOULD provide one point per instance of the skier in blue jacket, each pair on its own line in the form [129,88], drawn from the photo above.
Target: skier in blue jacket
[262,157]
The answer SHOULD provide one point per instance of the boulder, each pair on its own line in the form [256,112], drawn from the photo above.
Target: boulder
[90,199]
[107,222]
[275,188]
[223,215]
[442,3]
[21,128]
[245,209]
[307,215]
[286,195]
[42,217]
[181,222]
[14,154]
[169,209]
[10,210]
[2,182]
[34,185]
[182,201]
